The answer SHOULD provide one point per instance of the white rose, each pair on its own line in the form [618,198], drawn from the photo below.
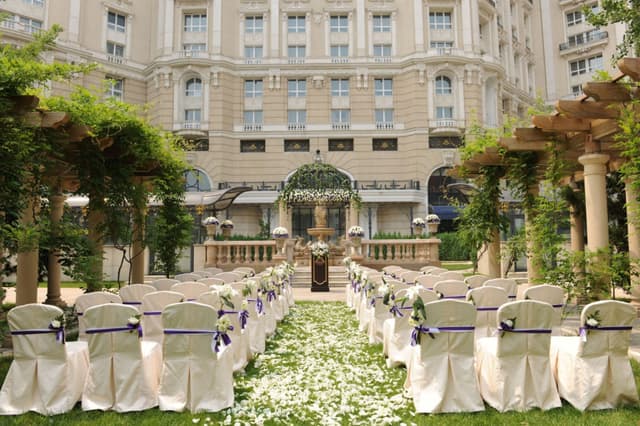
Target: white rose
[592,322]
[508,323]
[55,324]
[133,321]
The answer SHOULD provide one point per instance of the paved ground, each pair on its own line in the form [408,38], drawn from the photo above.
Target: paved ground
[69,295]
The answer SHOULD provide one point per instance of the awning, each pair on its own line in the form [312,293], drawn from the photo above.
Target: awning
[445,212]
[216,200]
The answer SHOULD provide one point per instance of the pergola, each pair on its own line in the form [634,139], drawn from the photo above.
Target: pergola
[583,131]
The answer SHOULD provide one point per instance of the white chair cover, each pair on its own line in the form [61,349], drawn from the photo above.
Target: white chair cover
[245,271]
[451,289]
[409,277]
[211,281]
[508,284]
[45,375]
[87,300]
[203,274]
[553,295]
[229,277]
[213,270]
[123,369]
[132,294]
[596,374]
[442,374]
[452,275]
[427,269]
[396,331]
[256,323]
[190,289]
[377,313]
[164,284]
[152,306]
[487,301]
[438,271]
[475,281]
[514,368]
[389,269]
[189,276]
[194,376]
[428,281]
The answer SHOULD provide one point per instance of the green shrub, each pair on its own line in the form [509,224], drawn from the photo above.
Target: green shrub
[451,247]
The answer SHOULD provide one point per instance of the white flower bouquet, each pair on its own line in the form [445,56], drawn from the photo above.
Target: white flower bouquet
[432,218]
[418,222]
[210,220]
[226,224]
[356,231]
[320,249]
[280,232]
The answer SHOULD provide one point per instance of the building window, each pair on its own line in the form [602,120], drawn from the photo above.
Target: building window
[443,85]
[30,25]
[253,88]
[339,24]
[340,144]
[192,115]
[440,20]
[253,119]
[297,88]
[383,87]
[339,51]
[39,3]
[195,22]
[382,50]
[574,18]
[386,144]
[445,113]
[194,47]
[441,44]
[340,116]
[115,49]
[296,119]
[296,51]
[193,87]
[115,88]
[339,87]
[253,146]
[384,118]
[296,24]
[116,22]
[253,24]
[196,145]
[196,181]
[253,52]
[584,66]
[445,141]
[296,145]
[576,90]
[381,23]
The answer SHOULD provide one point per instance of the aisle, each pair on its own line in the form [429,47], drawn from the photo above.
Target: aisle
[317,370]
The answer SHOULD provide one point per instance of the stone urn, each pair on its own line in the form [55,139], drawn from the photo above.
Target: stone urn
[227,227]
[211,232]
[433,228]
[418,230]
[320,215]
[280,242]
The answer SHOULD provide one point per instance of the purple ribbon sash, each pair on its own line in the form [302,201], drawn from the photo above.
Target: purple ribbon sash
[585,329]
[152,313]
[128,327]
[243,316]
[271,295]
[525,330]
[559,305]
[487,308]
[60,338]
[132,303]
[415,334]
[259,305]
[454,297]
[218,337]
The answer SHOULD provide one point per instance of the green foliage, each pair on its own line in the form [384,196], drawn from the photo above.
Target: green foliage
[451,248]
[392,236]
[169,233]
[515,248]
[626,12]
[628,141]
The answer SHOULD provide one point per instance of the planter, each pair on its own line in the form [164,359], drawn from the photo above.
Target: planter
[433,227]
[418,230]
[280,245]
[211,232]
[226,233]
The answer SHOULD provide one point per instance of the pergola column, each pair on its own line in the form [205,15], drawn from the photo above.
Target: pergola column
[137,247]
[95,219]
[54,269]
[27,268]
[633,219]
[533,252]
[354,216]
[284,216]
[595,191]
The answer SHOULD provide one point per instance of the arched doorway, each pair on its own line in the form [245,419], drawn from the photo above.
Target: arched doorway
[442,201]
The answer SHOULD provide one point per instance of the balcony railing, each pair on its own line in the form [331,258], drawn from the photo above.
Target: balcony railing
[590,37]
[192,125]
[372,185]
[339,60]
[192,53]
[444,122]
[340,126]
[255,186]
[252,127]
[384,125]
[116,59]
[382,59]
[296,126]
[296,60]
[253,61]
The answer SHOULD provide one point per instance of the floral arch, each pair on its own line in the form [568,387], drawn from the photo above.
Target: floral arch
[318,183]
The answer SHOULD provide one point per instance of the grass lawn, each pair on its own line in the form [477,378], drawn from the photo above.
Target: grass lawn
[319,370]
[457,266]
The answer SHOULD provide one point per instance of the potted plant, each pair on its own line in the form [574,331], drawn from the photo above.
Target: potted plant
[418,225]
[226,226]
[355,234]
[280,234]
[210,222]
[432,222]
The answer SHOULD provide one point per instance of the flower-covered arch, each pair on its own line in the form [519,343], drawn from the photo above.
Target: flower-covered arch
[318,183]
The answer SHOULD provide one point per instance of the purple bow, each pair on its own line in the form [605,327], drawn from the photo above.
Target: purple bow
[220,337]
[243,316]
[60,338]
[138,327]
[259,305]
[271,295]
[395,311]
[585,329]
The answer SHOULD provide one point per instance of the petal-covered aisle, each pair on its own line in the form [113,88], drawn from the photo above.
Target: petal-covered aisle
[319,369]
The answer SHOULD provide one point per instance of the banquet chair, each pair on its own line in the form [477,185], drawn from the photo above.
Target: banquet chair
[213,270]
[164,284]
[553,295]
[514,367]
[508,284]
[475,281]
[255,324]
[132,294]
[428,281]
[87,300]
[487,300]
[593,370]
[46,375]
[390,269]
[190,289]
[123,369]
[427,269]
[409,277]
[194,376]
[442,374]
[188,276]
[203,274]
[396,331]
[211,281]
[451,289]
[438,271]
[247,271]
[452,275]
[152,306]
[229,277]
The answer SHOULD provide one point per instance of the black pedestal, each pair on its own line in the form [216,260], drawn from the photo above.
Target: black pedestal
[319,273]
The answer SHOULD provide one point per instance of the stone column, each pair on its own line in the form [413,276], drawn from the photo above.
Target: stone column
[633,219]
[354,215]
[595,191]
[95,218]
[27,269]
[494,268]
[56,203]
[137,247]
[533,259]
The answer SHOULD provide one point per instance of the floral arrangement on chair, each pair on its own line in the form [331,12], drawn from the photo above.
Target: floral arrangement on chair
[320,249]
[280,232]
[418,222]
[226,224]
[356,231]
[432,218]
[210,220]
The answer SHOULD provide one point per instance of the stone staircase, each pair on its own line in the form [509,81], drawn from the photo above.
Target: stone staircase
[337,277]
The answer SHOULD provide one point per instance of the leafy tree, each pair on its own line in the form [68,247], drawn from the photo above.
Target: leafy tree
[619,11]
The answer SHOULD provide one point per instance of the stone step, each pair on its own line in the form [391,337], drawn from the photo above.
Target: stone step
[337,277]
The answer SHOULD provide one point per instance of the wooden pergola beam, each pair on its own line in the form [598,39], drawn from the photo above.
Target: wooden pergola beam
[630,67]
[558,123]
[517,144]
[532,134]
[606,91]
[594,109]
[604,128]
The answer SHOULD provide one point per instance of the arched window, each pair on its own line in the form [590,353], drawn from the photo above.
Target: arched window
[193,87]
[196,181]
[443,85]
